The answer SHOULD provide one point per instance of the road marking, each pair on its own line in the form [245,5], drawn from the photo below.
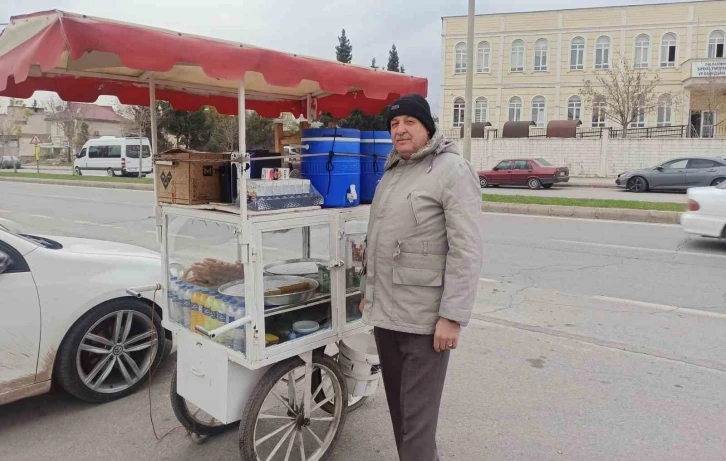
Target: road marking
[4,211]
[482,279]
[625,247]
[41,216]
[88,223]
[600,221]
[662,307]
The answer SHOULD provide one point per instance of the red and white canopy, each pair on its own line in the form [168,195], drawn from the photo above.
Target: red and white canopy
[81,58]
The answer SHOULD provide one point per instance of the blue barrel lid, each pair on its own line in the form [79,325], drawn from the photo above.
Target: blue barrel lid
[383,135]
[331,132]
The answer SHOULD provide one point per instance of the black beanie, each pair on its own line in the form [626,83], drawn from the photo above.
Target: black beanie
[416,106]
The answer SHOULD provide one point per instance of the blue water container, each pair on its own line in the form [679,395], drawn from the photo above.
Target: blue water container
[337,178]
[378,144]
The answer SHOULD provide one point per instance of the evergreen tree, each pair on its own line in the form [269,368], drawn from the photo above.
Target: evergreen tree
[403,70]
[344,50]
[393,64]
[373,64]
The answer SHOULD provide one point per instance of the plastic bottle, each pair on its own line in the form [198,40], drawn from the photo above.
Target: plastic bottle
[195,308]
[230,306]
[187,293]
[208,305]
[238,337]
[221,316]
[218,310]
[172,300]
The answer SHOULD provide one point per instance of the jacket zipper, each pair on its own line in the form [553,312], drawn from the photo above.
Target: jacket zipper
[413,208]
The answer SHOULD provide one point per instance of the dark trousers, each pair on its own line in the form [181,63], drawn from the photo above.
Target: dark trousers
[413,376]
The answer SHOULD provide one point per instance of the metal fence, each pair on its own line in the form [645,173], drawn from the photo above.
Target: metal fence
[676,131]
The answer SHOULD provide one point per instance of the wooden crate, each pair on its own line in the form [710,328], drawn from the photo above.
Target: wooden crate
[187,177]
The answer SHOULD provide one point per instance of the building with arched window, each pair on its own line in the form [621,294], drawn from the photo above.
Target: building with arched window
[532,65]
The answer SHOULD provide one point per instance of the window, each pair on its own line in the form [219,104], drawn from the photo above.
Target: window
[93,152]
[504,165]
[675,164]
[665,110]
[577,54]
[638,115]
[460,58]
[132,151]
[481,107]
[598,113]
[539,111]
[82,153]
[668,50]
[483,53]
[542,162]
[522,165]
[541,48]
[458,112]
[574,108]
[715,44]
[642,52]
[114,151]
[697,163]
[515,109]
[602,53]
[517,62]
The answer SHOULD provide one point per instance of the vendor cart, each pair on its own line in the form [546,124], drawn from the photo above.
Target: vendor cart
[273,369]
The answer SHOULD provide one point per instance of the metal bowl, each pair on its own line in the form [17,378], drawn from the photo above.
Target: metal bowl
[287,267]
[237,289]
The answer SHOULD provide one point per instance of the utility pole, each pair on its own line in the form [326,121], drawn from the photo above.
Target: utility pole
[468,94]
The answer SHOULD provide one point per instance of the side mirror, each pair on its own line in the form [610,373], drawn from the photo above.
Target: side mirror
[4,262]
[496,168]
[659,168]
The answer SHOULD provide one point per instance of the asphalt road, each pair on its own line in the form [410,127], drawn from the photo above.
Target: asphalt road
[589,340]
[606,193]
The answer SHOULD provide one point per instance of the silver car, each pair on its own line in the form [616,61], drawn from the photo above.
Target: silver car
[7,161]
[676,174]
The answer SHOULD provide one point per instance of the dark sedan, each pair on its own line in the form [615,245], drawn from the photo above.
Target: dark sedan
[676,174]
[531,172]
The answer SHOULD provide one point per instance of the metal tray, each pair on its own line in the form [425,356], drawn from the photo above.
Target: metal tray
[270,268]
[237,289]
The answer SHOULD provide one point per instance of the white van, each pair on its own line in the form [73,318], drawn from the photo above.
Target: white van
[112,156]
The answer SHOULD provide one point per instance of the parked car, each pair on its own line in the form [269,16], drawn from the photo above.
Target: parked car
[706,213]
[66,317]
[113,156]
[7,161]
[676,174]
[532,172]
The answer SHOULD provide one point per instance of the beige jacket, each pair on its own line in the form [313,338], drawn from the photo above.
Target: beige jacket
[424,250]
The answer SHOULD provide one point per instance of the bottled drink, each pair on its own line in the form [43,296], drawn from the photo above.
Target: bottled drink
[238,337]
[171,300]
[208,305]
[196,307]
[186,297]
[217,310]
[231,315]
[221,318]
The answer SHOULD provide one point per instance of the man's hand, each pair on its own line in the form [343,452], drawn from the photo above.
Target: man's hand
[362,305]
[446,335]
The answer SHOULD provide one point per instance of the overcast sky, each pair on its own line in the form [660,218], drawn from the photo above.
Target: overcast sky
[310,27]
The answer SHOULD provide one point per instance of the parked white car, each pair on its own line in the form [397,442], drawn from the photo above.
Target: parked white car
[706,213]
[113,156]
[66,316]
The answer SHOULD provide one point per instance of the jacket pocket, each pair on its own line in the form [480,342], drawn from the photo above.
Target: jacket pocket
[413,207]
[417,277]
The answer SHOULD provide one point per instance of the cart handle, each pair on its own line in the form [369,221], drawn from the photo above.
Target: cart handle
[136,291]
[224,328]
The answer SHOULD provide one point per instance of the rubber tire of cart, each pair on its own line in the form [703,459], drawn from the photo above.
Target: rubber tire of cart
[261,391]
[182,414]
[328,407]
[65,366]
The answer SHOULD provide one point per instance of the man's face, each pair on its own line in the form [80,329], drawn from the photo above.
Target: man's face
[408,135]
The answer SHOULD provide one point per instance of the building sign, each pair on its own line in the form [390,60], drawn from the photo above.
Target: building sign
[708,69]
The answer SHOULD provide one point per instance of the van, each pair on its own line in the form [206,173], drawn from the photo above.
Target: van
[113,156]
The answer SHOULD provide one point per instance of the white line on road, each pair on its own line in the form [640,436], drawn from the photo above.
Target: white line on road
[599,221]
[87,223]
[482,279]
[631,248]
[662,307]
[41,216]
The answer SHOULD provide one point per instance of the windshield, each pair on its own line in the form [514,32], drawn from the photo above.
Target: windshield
[542,162]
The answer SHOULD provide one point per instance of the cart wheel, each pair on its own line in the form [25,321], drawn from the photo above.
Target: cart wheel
[197,439]
[274,423]
[353,402]
[195,420]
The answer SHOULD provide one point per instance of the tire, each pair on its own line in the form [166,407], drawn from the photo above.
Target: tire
[75,367]
[534,183]
[547,186]
[638,184]
[77,172]
[110,173]
[190,422]
[248,443]
[717,181]
[353,402]
[483,182]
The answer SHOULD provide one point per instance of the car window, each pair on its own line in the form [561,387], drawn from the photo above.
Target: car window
[132,151]
[676,164]
[83,153]
[522,165]
[504,165]
[93,152]
[542,162]
[695,163]
[14,260]
[114,151]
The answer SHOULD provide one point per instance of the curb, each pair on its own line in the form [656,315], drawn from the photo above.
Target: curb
[62,182]
[607,214]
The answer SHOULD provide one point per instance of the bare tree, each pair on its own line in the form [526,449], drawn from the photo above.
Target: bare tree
[709,96]
[137,120]
[628,92]
[69,117]
[11,125]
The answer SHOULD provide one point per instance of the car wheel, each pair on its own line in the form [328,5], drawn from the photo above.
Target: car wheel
[109,351]
[110,173]
[547,186]
[717,181]
[77,171]
[637,184]
[534,183]
[483,182]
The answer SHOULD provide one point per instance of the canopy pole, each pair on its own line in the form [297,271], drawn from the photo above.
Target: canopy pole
[468,93]
[309,113]
[244,162]
[154,153]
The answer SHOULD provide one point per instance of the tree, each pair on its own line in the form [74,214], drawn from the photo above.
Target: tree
[364,122]
[628,92]
[11,125]
[260,132]
[373,64]
[344,50]
[709,98]
[69,117]
[83,135]
[403,70]
[393,64]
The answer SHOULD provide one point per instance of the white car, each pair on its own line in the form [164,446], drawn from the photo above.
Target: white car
[706,213]
[66,316]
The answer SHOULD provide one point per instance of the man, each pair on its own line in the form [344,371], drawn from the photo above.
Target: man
[423,258]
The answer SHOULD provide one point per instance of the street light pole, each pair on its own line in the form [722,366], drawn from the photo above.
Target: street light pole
[468,94]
